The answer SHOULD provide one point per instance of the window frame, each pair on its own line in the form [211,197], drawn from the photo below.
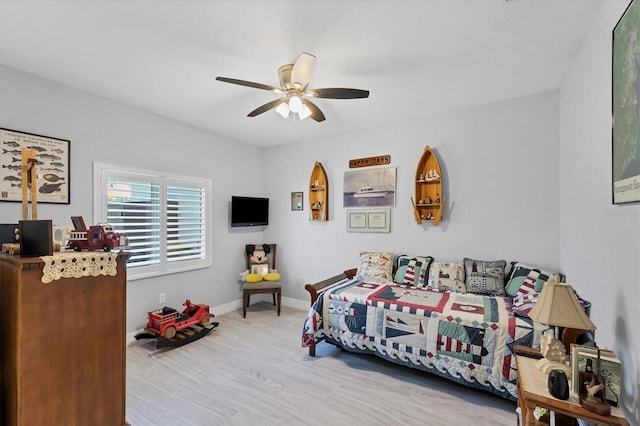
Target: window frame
[101,174]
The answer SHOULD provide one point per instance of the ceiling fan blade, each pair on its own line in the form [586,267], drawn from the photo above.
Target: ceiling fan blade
[338,93]
[266,107]
[249,84]
[316,114]
[303,69]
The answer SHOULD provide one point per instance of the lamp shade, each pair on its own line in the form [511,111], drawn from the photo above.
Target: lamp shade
[558,306]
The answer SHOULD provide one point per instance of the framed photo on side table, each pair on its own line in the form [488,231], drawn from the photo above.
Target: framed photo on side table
[52,167]
[610,370]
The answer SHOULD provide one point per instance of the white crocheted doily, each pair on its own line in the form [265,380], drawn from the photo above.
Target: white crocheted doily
[78,264]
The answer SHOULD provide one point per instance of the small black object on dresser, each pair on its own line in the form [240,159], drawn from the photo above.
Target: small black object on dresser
[36,238]
[558,384]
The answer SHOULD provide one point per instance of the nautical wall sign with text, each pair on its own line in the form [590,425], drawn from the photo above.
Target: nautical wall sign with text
[380,160]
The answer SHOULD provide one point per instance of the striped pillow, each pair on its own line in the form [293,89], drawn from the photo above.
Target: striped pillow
[522,273]
[416,270]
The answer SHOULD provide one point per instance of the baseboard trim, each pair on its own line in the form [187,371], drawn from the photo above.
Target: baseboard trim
[295,303]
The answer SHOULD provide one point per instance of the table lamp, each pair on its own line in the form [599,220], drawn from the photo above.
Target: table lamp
[558,306]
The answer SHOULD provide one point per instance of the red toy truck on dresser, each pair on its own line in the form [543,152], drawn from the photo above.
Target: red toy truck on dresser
[97,237]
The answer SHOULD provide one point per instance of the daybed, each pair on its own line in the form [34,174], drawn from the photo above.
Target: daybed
[455,320]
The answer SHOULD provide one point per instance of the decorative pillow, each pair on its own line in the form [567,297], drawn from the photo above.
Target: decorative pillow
[526,275]
[485,277]
[447,276]
[400,269]
[413,270]
[399,276]
[375,266]
[523,303]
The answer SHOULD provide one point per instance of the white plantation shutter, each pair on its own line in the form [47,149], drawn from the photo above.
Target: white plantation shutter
[185,222]
[165,218]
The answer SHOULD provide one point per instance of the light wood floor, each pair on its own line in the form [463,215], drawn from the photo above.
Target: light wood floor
[254,371]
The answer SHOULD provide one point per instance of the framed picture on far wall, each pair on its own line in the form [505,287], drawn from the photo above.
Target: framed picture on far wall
[52,166]
[625,66]
[370,188]
[374,220]
[296,201]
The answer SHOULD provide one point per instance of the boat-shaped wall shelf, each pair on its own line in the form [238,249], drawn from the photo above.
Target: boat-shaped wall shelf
[429,202]
[318,194]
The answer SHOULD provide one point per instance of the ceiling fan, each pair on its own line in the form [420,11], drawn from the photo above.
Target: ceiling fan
[294,83]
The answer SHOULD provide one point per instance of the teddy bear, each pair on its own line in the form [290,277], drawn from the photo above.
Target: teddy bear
[257,254]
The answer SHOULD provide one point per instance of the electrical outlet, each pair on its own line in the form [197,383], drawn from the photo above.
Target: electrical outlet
[162,298]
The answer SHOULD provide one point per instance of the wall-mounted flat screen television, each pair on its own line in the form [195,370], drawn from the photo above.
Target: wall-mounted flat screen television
[249,211]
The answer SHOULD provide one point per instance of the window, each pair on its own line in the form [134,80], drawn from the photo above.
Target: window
[165,218]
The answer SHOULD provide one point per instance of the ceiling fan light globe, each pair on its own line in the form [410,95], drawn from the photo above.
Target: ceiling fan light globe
[283,110]
[295,104]
[304,112]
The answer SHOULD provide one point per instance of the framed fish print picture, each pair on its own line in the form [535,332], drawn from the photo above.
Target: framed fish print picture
[52,166]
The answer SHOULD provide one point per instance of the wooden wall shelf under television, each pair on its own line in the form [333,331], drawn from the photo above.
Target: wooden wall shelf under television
[429,202]
[318,194]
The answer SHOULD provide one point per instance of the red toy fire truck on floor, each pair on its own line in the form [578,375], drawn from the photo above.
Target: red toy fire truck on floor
[166,322]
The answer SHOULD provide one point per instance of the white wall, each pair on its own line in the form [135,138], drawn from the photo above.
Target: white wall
[599,241]
[500,169]
[103,130]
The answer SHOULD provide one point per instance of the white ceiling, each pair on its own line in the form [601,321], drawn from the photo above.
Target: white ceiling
[416,57]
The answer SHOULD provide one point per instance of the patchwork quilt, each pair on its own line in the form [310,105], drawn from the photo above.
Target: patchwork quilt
[464,337]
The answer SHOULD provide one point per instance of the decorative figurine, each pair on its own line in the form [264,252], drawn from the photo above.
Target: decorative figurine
[593,401]
[592,390]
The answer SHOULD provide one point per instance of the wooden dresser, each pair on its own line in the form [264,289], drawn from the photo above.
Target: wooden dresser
[62,346]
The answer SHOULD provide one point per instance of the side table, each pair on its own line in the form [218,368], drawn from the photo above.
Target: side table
[533,391]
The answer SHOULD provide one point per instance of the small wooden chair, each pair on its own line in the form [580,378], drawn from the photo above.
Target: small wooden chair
[272,287]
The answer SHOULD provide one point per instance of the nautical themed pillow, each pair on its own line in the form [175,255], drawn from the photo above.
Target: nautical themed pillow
[375,266]
[485,277]
[526,275]
[416,270]
[523,303]
[445,276]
